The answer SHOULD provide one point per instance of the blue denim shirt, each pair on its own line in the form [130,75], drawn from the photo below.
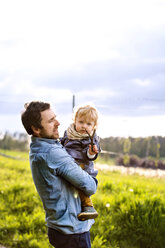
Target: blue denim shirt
[57,178]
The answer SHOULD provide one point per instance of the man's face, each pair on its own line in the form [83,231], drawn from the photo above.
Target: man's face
[49,125]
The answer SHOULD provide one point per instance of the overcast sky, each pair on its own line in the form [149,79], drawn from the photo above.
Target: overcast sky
[109,53]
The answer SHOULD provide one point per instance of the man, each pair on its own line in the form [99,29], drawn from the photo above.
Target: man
[57,179]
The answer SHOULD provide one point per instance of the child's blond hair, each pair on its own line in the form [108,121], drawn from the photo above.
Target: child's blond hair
[88,112]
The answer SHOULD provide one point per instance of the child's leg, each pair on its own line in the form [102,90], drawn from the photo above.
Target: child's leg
[85,200]
[88,211]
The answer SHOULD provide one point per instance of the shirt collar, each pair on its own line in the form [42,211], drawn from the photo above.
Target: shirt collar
[50,141]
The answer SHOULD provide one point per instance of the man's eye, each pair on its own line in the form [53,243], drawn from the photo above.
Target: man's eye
[52,120]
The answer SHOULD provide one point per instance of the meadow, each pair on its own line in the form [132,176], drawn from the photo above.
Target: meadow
[131,209]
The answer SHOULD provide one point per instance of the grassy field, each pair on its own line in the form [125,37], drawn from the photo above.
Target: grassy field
[131,209]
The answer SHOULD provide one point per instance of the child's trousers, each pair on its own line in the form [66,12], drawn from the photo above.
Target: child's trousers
[85,200]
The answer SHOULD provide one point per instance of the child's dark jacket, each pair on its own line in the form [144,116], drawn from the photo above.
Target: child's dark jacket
[78,150]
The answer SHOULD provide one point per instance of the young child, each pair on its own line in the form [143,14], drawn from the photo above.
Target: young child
[77,141]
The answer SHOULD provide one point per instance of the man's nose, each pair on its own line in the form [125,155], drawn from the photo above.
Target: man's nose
[56,123]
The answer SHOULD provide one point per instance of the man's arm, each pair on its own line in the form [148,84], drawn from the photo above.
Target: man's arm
[64,166]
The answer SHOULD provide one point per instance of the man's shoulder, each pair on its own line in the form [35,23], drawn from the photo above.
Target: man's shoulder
[43,144]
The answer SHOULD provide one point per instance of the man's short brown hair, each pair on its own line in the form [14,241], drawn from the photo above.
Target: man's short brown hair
[31,116]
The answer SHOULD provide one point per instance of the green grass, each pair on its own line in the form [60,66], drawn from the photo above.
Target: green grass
[22,220]
[106,160]
[131,209]
[132,212]
[16,154]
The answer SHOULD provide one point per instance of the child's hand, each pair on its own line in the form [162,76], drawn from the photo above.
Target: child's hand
[95,150]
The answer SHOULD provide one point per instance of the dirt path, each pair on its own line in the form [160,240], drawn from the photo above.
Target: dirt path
[132,170]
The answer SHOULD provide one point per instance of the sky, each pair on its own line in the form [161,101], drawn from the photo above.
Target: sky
[105,52]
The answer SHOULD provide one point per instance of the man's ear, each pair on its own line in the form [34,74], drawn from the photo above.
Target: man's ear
[36,131]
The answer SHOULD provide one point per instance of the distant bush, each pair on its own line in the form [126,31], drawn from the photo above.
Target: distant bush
[134,161]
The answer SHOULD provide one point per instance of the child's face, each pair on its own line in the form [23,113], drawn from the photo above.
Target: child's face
[82,124]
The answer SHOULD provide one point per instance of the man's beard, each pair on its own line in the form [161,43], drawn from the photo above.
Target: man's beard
[44,134]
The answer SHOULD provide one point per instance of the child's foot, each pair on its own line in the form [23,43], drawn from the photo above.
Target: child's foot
[87,213]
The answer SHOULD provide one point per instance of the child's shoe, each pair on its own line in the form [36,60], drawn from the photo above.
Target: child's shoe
[87,213]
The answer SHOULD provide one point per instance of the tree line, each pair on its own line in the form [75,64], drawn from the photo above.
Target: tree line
[143,147]
[14,141]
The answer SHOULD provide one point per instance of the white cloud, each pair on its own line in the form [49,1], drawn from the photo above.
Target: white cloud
[43,39]
[57,35]
[131,126]
[25,90]
[143,83]
[11,123]
[54,95]
[108,125]
[148,107]
[97,93]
